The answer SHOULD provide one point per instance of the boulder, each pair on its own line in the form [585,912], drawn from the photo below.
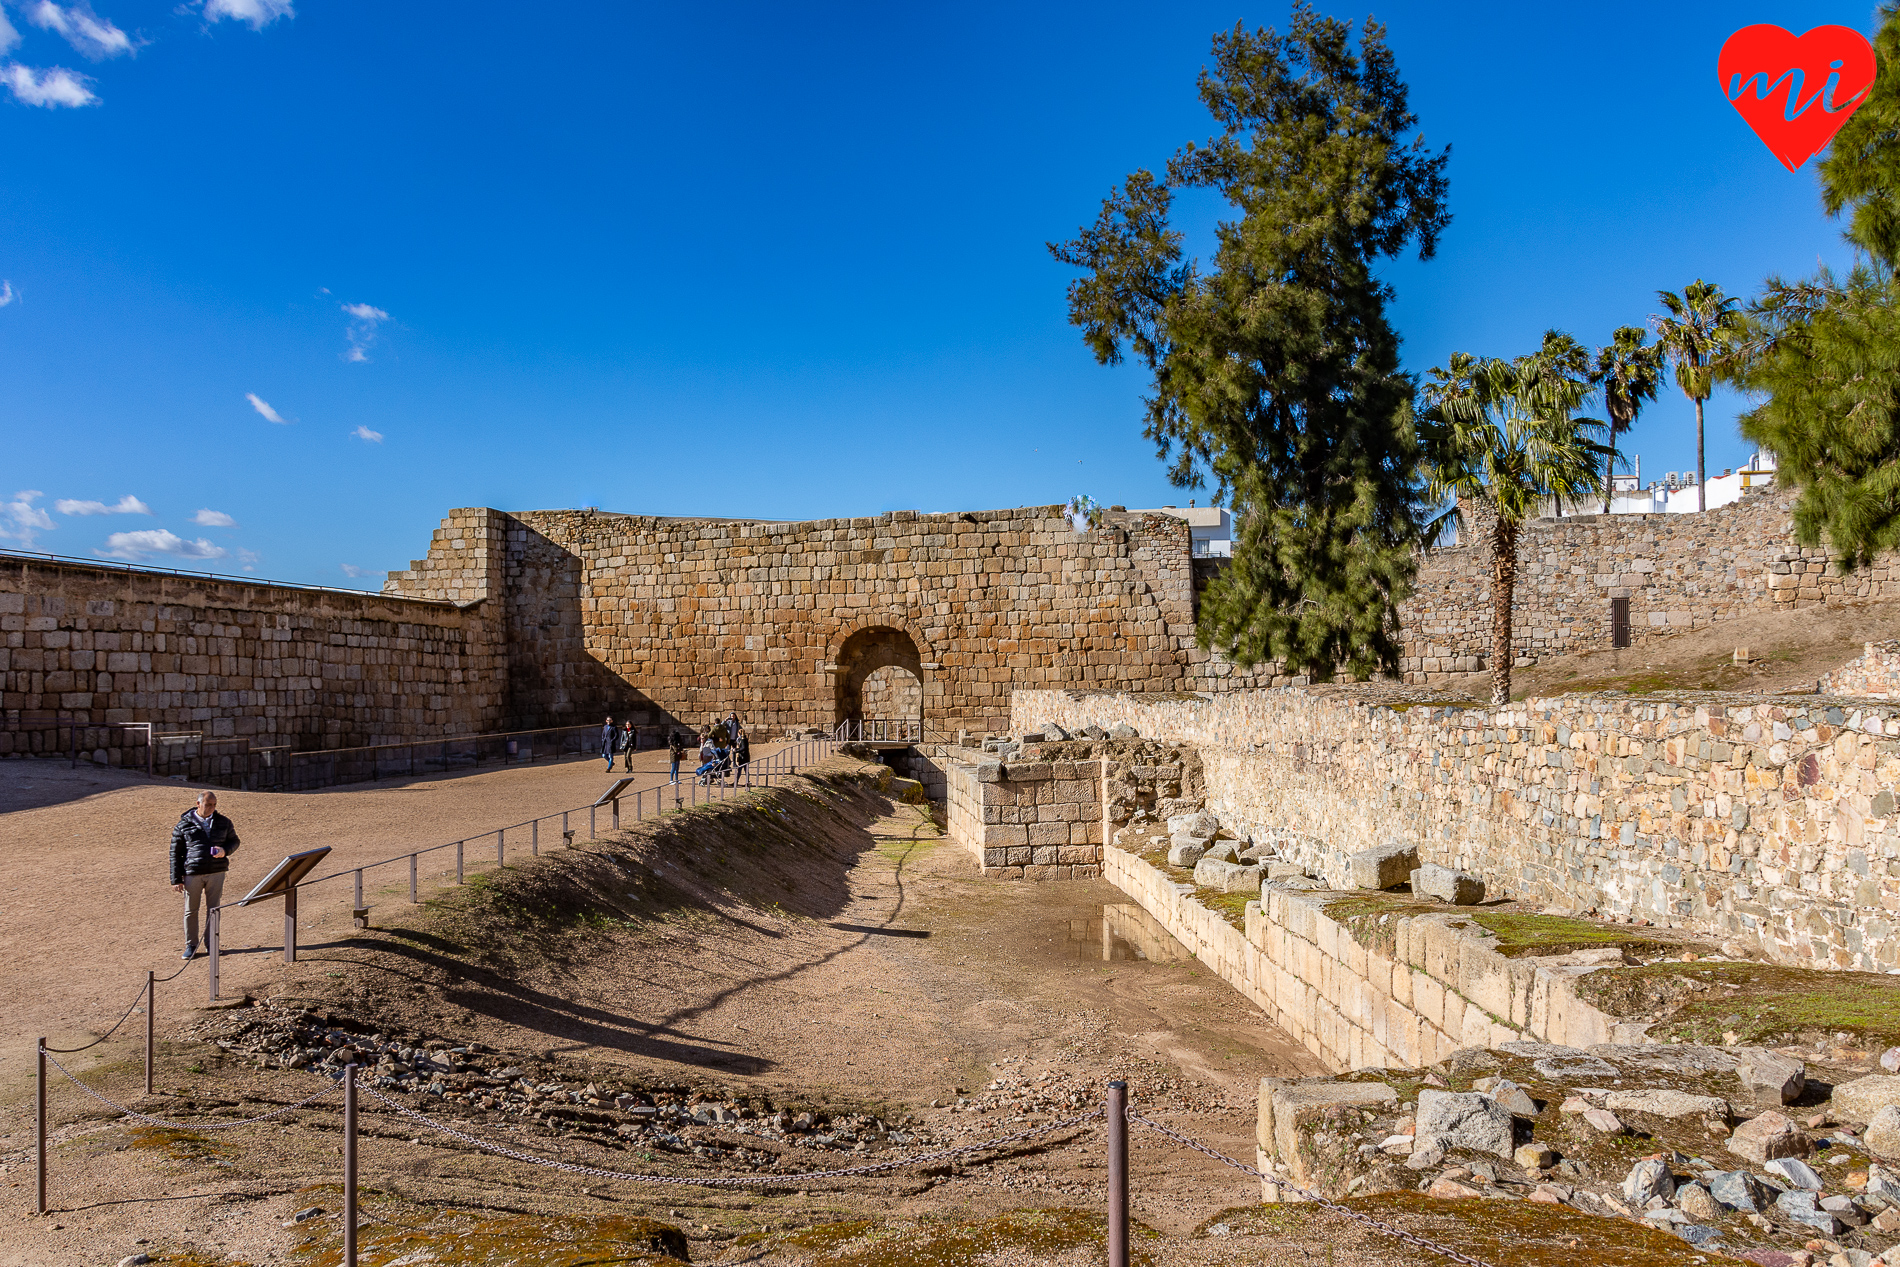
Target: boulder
[1534,1157]
[1093,732]
[1767,1137]
[1795,1172]
[1222,851]
[1861,1099]
[1464,1119]
[1694,1200]
[1513,1098]
[1227,877]
[1199,823]
[1802,1207]
[1770,1077]
[1603,1121]
[1386,867]
[1647,1180]
[1883,1183]
[1667,1103]
[1291,1114]
[1285,871]
[1890,1060]
[1446,885]
[1739,1190]
[1122,730]
[1185,851]
[1451,1190]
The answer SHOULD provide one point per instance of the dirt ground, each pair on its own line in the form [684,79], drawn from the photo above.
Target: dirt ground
[1791,650]
[88,906]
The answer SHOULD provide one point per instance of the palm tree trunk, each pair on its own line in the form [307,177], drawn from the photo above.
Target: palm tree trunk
[1503,590]
[1609,476]
[1701,479]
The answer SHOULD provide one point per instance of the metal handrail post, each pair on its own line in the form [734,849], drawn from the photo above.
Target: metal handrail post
[290,924]
[1118,1174]
[39,1124]
[614,812]
[151,1005]
[349,1165]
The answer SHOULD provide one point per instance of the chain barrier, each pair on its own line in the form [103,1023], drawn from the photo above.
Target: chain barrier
[1385,1228]
[133,1007]
[750,1181]
[188,1126]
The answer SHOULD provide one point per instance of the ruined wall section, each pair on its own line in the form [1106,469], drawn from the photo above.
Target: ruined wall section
[277,664]
[1679,573]
[1768,820]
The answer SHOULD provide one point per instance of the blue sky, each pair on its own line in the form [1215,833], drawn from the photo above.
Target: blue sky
[770,260]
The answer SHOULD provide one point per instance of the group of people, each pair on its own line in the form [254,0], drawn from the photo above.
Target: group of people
[724,748]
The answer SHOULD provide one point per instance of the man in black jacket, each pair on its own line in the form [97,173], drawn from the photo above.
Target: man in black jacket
[202,843]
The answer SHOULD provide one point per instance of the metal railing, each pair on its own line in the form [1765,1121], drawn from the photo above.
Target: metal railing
[880,730]
[686,793]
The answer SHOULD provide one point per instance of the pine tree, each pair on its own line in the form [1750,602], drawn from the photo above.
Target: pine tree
[1276,372]
[1824,353]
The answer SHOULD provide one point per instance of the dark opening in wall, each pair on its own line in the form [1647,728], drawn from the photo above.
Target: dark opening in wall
[1619,622]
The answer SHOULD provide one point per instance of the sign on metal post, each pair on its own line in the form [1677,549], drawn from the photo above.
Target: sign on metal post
[282,882]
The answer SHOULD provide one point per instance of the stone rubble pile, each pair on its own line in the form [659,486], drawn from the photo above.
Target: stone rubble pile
[475,1078]
[1720,1161]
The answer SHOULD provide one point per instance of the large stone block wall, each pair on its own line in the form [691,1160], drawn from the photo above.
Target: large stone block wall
[1679,572]
[688,617]
[276,664]
[1433,989]
[1031,820]
[1767,820]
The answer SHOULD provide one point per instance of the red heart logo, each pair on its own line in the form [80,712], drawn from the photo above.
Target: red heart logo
[1796,91]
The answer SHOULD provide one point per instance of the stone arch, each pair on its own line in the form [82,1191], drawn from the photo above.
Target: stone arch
[874,646]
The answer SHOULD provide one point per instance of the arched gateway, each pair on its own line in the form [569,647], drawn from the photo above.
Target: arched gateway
[879,679]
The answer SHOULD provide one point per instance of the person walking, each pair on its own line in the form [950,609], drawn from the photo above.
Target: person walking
[608,738]
[628,742]
[741,752]
[203,841]
[732,725]
[676,748]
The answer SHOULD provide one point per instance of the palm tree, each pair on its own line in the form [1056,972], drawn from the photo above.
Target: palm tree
[1694,335]
[1501,434]
[1628,374]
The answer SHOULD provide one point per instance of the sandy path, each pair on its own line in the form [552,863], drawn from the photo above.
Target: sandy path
[87,908]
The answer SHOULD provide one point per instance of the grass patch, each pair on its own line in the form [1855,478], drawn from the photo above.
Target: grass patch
[1520,933]
[1755,1001]
[928,1243]
[1232,907]
[400,1230]
[178,1145]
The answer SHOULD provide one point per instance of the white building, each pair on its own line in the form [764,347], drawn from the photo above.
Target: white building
[1673,494]
[1212,527]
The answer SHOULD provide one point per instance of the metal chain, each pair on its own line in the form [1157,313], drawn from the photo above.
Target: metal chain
[750,1181]
[69,1051]
[1314,1197]
[187,1126]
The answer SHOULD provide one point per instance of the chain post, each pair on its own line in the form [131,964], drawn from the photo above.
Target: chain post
[412,879]
[592,832]
[458,861]
[290,924]
[39,1124]
[501,848]
[212,919]
[151,1006]
[534,838]
[349,1165]
[1118,1174]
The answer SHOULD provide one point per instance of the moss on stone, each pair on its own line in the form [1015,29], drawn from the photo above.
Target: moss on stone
[1757,1002]
[1520,933]
[934,1243]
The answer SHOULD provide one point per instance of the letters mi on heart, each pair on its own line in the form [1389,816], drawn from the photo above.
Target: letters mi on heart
[1796,90]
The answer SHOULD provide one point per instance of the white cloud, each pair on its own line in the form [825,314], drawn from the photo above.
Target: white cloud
[362,331]
[49,88]
[263,407]
[213,519]
[127,505]
[352,571]
[21,520]
[8,36]
[6,294]
[85,30]
[135,546]
[258,13]
[364,433]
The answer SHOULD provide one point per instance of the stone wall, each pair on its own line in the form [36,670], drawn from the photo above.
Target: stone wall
[1766,820]
[1030,820]
[1875,675]
[1429,990]
[275,664]
[1679,572]
[676,619]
